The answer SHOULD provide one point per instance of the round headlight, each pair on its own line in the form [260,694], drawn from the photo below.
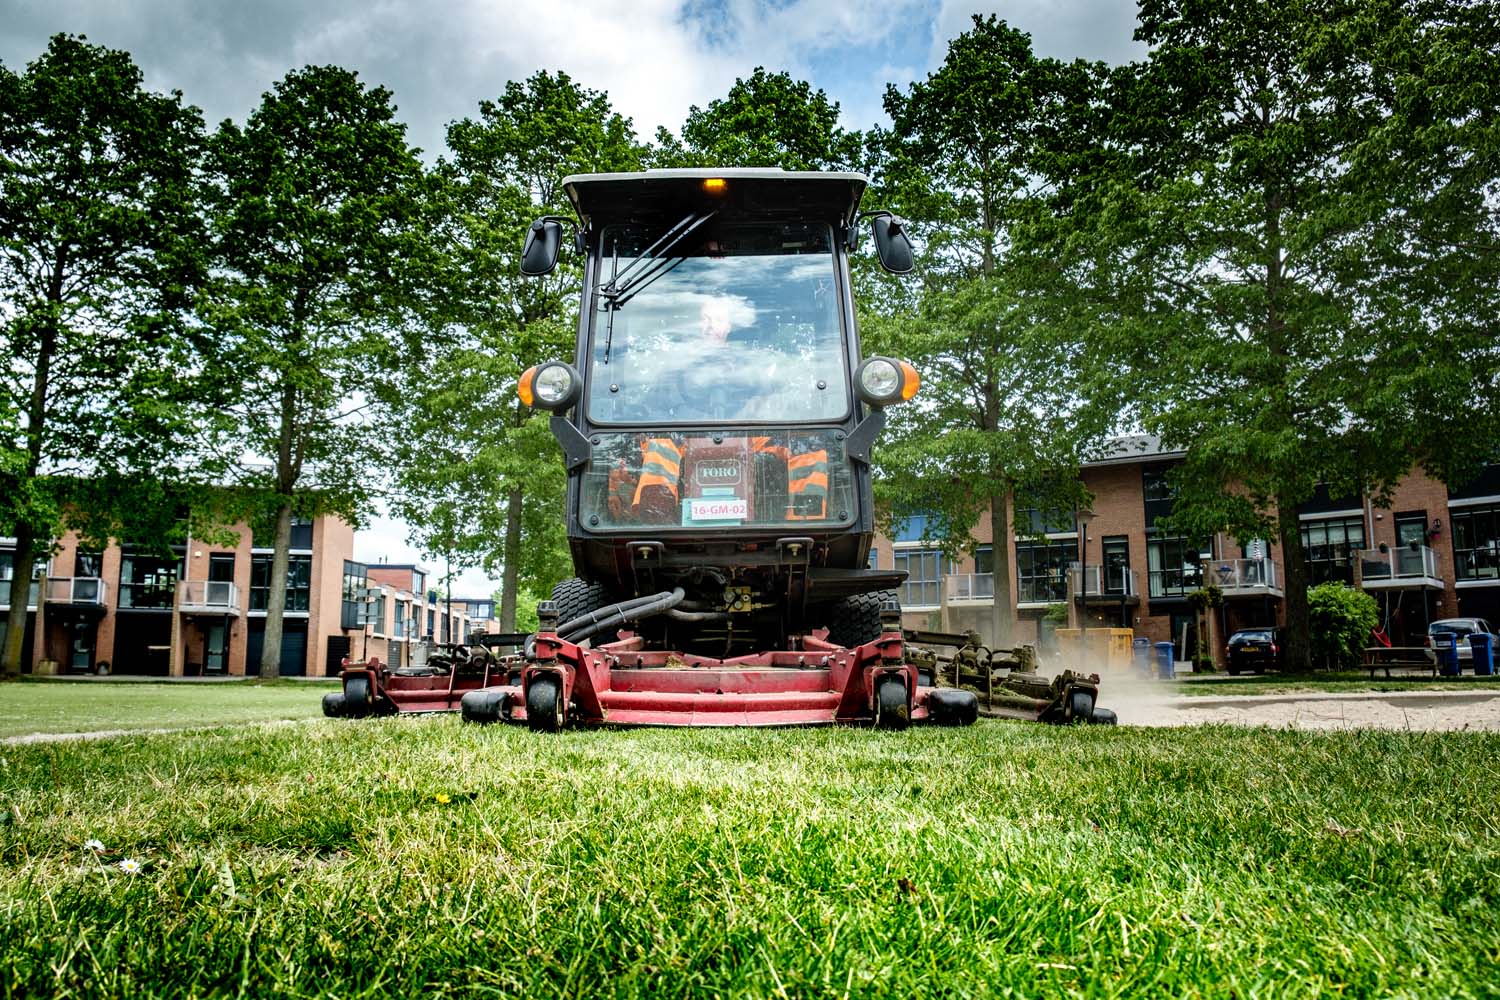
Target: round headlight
[552,386]
[879,381]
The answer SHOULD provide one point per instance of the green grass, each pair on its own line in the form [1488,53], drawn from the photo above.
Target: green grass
[95,706]
[421,857]
[1223,686]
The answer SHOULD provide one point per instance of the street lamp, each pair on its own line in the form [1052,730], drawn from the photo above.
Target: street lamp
[1083,516]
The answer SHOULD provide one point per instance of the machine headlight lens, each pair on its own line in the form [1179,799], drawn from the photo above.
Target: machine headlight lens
[881,379]
[551,386]
[553,383]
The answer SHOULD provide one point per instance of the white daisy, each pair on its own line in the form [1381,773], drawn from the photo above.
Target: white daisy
[130,866]
[97,846]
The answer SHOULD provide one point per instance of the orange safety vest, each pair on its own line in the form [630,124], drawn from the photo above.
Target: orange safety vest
[807,486]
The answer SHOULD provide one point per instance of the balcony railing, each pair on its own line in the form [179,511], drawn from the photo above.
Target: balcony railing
[209,596]
[1398,567]
[76,590]
[1107,582]
[1242,577]
[5,586]
[966,588]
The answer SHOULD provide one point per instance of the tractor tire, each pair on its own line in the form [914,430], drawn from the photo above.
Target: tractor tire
[575,597]
[544,705]
[855,620]
[357,700]
[1080,706]
[891,708]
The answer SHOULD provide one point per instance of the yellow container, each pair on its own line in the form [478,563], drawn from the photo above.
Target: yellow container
[1108,648]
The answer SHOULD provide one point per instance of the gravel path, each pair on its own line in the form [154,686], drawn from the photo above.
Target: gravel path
[1446,710]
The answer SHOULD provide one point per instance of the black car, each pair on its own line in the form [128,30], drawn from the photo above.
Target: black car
[1254,649]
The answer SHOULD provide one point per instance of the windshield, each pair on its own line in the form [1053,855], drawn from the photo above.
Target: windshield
[737,322]
[766,479]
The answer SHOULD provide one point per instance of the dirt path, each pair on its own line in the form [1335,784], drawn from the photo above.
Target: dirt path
[1455,710]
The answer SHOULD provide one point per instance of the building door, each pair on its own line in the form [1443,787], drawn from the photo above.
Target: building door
[216,649]
[1184,624]
[1411,535]
[338,648]
[81,650]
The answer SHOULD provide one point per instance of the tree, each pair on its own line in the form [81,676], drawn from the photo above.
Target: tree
[317,217]
[769,120]
[1006,406]
[471,441]
[100,250]
[1282,296]
[1342,619]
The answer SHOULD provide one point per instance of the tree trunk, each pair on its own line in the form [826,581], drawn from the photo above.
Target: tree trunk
[511,574]
[15,654]
[1297,650]
[270,654]
[1002,609]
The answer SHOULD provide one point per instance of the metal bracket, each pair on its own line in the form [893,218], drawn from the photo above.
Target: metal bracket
[857,444]
[576,448]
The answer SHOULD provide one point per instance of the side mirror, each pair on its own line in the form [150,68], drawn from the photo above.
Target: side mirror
[892,243]
[543,241]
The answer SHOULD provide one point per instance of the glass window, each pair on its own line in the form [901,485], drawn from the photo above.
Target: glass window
[738,322]
[298,582]
[1328,548]
[356,578]
[702,481]
[1042,571]
[1038,521]
[1174,566]
[1476,542]
[924,577]
[1155,486]
[148,581]
[403,611]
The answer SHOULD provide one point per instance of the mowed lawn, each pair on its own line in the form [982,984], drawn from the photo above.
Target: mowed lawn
[422,857]
[89,706]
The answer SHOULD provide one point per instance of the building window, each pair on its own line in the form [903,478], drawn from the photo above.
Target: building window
[1036,522]
[1042,571]
[148,581]
[1328,547]
[377,615]
[403,610]
[1476,542]
[298,582]
[910,530]
[1116,565]
[924,577]
[356,578]
[1155,487]
[1174,566]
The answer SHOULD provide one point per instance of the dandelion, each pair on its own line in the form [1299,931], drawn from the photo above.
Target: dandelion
[130,866]
[97,846]
[442,798]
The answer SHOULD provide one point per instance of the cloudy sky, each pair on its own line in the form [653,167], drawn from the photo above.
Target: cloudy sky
[655,59]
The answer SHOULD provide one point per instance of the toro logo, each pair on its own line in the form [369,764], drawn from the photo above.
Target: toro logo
[723,472]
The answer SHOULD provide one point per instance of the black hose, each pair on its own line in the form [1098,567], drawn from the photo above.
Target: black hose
[660,603]
[697,616]
[599,614]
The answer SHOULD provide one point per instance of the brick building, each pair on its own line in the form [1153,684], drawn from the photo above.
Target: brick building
[1431,553]
[201,608]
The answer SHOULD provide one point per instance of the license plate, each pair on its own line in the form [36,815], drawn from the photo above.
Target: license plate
[719,509]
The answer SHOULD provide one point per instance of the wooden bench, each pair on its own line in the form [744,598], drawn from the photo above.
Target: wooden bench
[1401,656]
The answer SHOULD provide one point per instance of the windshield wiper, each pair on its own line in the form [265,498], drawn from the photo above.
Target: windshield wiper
[653,263]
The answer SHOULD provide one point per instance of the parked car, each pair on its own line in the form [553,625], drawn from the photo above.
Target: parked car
[1254,649]
[1462,628]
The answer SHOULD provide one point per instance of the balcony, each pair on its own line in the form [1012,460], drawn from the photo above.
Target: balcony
[1410,566]
[970,588]
[1243,577]
[5,586]
[1104,584]
[208,597]
[76,590]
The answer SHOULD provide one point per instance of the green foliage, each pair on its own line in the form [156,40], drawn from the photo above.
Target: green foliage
[1057,614]
[768,120]
[100,252]
[667,863]
[1341,619]
[321,247]
[1006,408]
[479,476]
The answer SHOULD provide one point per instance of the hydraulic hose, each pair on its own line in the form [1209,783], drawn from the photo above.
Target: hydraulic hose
[632,612]
[697,616]
[600,614]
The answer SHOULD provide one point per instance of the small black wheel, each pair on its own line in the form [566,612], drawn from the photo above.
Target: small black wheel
[1104,717]
[891,708]
[482,707]
[1080,706]
[333,704]
[357,697]
[544,704]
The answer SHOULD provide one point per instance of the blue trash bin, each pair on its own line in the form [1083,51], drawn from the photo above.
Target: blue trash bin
[1445,647]
[1483,646]
[1141,650]
[1165,667]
